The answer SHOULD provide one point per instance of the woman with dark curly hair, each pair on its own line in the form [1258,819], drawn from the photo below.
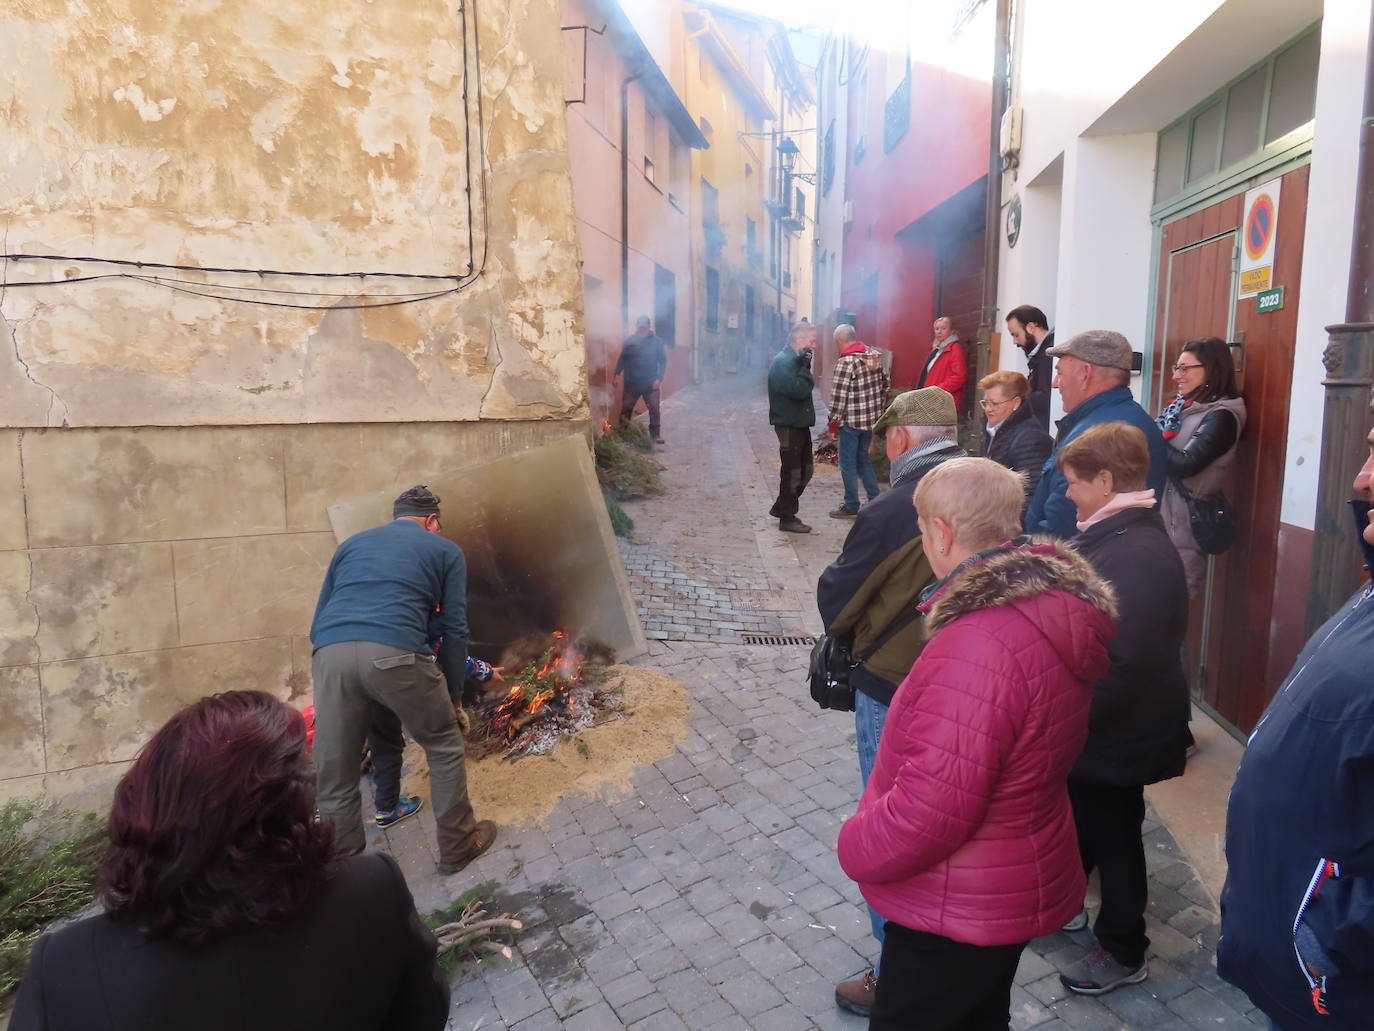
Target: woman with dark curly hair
[223,908]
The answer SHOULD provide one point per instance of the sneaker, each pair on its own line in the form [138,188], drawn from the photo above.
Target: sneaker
[1078,923]
[1098,973]
[857,996]
[845,513]
[793,525]
[774,511]
[659,440]
[481,841]
[408,806]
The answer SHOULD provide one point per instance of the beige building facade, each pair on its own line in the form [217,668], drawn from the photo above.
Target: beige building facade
[254,266]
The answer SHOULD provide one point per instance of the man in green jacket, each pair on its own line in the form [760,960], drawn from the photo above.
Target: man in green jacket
[792,414]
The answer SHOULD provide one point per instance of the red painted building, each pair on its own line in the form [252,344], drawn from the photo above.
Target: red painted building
[910,127]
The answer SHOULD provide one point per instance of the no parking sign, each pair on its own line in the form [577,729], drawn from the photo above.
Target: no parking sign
[1258,231]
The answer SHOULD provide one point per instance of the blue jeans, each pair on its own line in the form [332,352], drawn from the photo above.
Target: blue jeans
[869,716]
[854,463]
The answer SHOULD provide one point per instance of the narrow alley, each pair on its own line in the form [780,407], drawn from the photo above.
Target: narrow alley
[711,896]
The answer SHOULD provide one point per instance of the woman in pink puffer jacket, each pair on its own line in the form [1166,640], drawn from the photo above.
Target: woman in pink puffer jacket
[964,838]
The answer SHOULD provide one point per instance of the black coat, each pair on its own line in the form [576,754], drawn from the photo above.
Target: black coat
[1138,728]
[1040,372]
[357,959]
[1021,444]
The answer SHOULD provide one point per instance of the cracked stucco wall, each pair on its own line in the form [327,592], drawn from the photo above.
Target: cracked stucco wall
[166,459]
[301,137]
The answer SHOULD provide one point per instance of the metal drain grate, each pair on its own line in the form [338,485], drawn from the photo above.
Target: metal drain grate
[768,639]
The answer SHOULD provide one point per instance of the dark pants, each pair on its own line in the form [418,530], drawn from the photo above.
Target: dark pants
[794,449]
[632,393]
[386,741]
[353,679]
[1108,819]
[933,983]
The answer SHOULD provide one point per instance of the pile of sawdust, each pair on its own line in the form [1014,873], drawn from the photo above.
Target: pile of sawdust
[522,793]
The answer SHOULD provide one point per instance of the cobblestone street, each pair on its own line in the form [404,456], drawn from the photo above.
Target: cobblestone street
[711,897]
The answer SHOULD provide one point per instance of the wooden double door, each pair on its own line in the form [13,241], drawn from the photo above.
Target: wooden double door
[1229,641]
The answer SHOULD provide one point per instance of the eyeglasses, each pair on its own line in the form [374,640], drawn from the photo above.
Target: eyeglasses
[1185,368]
[993,404]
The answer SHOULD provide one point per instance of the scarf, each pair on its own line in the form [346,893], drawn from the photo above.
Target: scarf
[1120,503]
[904,463]
[1171,419]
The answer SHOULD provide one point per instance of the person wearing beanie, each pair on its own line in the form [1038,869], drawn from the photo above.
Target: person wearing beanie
[869,594]
[373,657]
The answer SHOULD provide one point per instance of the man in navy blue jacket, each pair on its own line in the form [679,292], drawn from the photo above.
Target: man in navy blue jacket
[1297,912]
[1092,377]
[371,638]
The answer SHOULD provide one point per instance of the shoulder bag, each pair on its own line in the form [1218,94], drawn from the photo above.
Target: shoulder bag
[1212,519]
[832,658]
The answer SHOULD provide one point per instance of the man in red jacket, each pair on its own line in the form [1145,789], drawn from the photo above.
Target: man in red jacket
[946,367]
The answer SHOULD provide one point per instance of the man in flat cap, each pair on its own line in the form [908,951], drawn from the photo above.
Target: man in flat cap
[373,624]
[1093,379]
[869,593]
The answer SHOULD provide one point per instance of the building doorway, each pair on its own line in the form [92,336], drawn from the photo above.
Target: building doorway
[1195,296]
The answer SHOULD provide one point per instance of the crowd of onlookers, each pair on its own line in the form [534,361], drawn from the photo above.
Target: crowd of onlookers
[1006,735]
[1015,630]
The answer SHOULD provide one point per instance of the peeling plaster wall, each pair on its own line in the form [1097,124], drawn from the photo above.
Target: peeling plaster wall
[166,459]
[299,137]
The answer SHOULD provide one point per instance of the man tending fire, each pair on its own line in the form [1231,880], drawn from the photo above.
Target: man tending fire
[370,635]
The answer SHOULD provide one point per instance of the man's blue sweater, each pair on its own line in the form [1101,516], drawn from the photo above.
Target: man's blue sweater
[383,585]
[1050,510]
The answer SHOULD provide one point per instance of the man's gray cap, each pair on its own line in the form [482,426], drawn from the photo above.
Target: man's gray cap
[1103,347]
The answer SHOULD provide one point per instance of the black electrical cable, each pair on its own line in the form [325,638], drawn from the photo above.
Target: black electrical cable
[127,263]
[461,281]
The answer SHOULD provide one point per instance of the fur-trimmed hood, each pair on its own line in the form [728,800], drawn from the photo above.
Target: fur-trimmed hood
[1018,577]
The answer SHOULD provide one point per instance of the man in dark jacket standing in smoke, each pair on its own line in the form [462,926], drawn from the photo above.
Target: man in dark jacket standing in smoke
[643,362]
[792,413]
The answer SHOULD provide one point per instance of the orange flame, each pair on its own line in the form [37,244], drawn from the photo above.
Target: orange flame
[563,666]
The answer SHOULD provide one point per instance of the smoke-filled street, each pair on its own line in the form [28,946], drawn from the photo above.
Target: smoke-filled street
[710,896]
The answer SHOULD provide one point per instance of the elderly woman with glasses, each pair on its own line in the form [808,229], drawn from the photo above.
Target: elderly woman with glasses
[1202,426]
[1012,436]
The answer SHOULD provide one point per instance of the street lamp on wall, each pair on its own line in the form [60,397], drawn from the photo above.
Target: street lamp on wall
[787,160]
[787,154]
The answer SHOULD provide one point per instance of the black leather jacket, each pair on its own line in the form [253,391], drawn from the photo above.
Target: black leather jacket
[1215,436]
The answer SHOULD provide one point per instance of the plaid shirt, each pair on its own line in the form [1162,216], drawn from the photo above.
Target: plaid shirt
[858,394]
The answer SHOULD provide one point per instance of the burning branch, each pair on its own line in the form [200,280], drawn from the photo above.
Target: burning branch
[556,695]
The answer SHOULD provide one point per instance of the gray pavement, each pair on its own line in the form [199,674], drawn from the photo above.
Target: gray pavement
[711,896]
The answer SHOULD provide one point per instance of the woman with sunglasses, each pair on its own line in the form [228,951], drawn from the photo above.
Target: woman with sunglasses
[1202,425]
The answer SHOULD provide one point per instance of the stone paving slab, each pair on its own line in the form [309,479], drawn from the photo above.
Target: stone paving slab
[710,896]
